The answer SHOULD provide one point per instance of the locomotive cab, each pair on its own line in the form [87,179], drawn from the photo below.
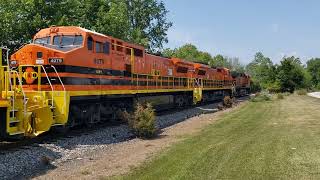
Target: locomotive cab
[49,46]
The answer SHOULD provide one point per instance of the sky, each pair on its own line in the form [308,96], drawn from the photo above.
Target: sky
[240,28]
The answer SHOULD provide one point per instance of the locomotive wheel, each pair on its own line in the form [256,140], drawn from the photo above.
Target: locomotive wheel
[114,110]
[105,111]
[93,112]
[96,117]
[88,115]
[179,101]
[74,116]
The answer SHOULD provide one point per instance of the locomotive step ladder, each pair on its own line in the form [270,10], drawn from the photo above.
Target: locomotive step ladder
[17,95]
[57,78]
[197,90]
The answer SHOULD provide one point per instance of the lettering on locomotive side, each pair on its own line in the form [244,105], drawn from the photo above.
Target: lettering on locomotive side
[55,60]
[99,71]
[98,61]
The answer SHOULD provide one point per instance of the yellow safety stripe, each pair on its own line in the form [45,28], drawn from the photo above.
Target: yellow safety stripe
[114,92]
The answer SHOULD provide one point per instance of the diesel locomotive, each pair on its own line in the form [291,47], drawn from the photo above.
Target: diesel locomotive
[71,76]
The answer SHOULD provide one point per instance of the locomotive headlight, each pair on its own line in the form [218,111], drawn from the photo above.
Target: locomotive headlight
[13,62]
[55,60]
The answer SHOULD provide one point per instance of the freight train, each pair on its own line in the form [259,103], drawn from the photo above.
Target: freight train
[71,76]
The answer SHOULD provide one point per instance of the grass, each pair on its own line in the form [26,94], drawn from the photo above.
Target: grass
[261,97]
[263,140]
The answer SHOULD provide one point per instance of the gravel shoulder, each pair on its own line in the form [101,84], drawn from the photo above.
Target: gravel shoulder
[119,158]
[314,94]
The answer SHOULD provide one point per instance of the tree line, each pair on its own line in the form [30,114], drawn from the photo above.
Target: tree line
[288,76]
[143,22]
[190,52]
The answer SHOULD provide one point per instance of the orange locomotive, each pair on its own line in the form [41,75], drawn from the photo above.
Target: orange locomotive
[70,76]
[242,84]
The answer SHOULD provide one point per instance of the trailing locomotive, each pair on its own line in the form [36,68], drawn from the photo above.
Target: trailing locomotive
[70,76]
[242,83]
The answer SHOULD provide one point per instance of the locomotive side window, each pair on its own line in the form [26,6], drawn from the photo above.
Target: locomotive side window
[119,47]
[98,47]
[112,44]
[138,52]
[56,40]
[182,69]
[128,51]
[201,72]
[106,48]
[78,40]
[90,43]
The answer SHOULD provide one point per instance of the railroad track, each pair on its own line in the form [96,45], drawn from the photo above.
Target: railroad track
[49,137]
[7,147]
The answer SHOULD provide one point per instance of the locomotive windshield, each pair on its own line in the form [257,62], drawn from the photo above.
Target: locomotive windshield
[44,40]
[67,40]
[61,42]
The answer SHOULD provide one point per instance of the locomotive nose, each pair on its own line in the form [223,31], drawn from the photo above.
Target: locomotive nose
[27,55]
[33,54]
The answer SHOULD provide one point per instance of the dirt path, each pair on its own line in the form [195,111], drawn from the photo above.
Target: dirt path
[122,157]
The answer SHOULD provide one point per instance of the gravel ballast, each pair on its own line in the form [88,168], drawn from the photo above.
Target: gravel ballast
[32,160]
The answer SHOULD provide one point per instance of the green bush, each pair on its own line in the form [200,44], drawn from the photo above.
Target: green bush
[286,94]
[261,97]
[280,96]
[142,121]
[301,92]
[274,87]
[255,86]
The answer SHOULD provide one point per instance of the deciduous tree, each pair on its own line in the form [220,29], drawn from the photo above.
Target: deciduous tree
[290,75]
[313,67]
[139,21]
[262,70]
